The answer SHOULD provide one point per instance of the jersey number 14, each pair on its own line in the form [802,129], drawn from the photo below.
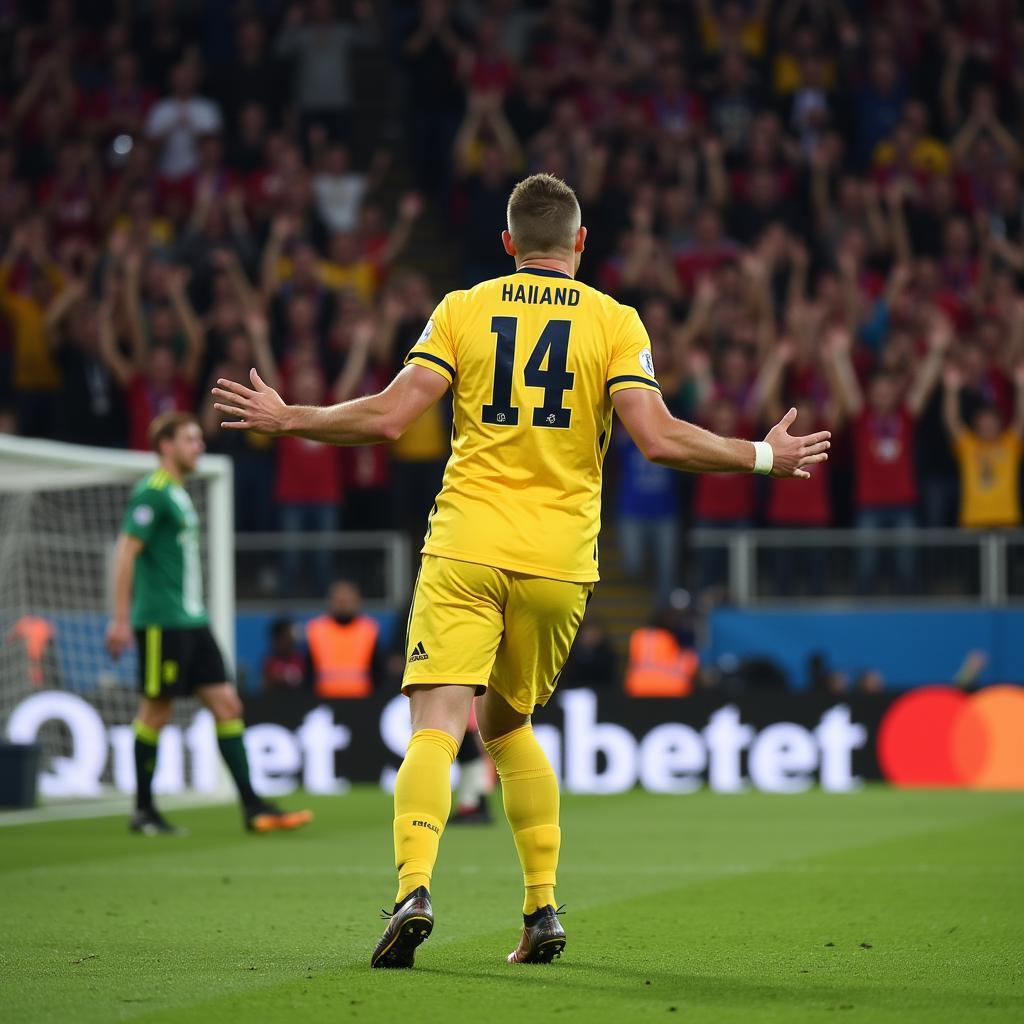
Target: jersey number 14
[555,379]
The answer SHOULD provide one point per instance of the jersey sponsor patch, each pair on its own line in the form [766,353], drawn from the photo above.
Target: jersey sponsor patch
[427,328]
[142,515]
[647,362]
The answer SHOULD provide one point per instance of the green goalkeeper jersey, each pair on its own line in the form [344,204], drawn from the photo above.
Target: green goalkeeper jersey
[168,585]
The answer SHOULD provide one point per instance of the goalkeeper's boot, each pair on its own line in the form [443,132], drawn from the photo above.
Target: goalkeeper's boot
[152,823]
[543,938]
[263,816]
[411,922]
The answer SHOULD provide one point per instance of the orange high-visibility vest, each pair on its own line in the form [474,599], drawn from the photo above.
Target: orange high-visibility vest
[342,656]
[35,632]
[658,666]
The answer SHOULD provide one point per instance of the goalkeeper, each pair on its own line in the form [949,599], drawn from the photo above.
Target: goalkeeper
[158,602]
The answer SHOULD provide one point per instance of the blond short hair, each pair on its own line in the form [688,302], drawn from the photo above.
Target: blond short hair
[543,216]
[166,426]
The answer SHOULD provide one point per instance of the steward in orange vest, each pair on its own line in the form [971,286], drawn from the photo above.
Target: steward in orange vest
[659,666]
[343,648]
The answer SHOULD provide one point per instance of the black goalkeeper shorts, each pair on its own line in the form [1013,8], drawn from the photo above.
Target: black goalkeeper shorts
[176,662]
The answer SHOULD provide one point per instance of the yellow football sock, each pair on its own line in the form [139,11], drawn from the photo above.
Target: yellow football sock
[423,798]
[530,793]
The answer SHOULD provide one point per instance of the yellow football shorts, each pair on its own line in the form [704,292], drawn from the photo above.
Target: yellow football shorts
[474,625]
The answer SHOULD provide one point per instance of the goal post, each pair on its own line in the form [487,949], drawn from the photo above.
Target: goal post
[61,507]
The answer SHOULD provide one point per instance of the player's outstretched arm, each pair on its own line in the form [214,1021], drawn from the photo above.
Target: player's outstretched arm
[377,418]
[119,630]
[683,446]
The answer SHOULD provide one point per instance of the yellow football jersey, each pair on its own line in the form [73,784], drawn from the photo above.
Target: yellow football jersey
[533,359]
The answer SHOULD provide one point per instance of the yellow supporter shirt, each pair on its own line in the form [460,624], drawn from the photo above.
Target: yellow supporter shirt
[360,276]
[35,369]
[989,480]
[533,359]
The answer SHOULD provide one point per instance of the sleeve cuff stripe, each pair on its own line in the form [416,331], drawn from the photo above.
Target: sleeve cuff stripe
[432,359]
[634,380]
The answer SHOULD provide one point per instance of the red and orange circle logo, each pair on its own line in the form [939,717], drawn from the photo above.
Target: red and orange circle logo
[940,736]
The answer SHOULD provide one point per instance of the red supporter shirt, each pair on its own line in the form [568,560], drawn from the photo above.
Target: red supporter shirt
[308,472]
[801,502]
[145,403]
[884,456]
[724,497]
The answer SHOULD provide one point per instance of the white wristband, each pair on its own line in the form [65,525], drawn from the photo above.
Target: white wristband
[764,458]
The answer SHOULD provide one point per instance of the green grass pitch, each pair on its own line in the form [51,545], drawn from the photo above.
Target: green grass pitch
[878,906]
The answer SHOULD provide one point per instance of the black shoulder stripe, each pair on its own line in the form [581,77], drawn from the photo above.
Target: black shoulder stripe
[635,380]
[432,359]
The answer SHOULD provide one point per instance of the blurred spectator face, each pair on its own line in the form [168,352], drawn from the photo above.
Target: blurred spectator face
[371,221]
[734,71]
[989,338]
[321,11]
[239,348]
[125,71]
[1007,192]
[915,117]
[988,424]
[671,79]
[884,74]
[211,151]
[729,281]
[160,366]
[493,172]
[735,369]
[301,315]
[344,601]
[850,195]
[812,71]
[630,168]
[676,204]
[250,38]
[723,417]
[898,353]
[184,80]
[764,189]
[883,394]
[82,327]
[140,204]
[252,124]
[983,101]
[732,17]
[306,386]
[708,227]
[344,248]
[225,314]
[282,637]
[163,325]
[657,317]
[903,143]
[973,364]
[304,265]
[337,162]
[957,239]
[941,195]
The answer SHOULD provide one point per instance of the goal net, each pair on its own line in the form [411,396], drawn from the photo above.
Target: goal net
[61,507]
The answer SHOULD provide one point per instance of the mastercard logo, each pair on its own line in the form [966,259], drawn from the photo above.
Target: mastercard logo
[940,736]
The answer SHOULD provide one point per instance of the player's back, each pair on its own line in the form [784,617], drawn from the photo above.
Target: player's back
[534,358]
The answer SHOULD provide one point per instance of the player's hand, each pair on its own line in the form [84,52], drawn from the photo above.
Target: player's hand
[257,408]
[791,454]
[119,638]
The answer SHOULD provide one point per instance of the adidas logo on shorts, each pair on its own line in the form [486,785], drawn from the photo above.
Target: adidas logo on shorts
[418,653]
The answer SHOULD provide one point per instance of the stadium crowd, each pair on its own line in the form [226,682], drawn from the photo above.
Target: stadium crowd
[811,202]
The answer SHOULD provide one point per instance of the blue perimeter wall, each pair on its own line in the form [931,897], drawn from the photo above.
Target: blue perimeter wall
[909,647]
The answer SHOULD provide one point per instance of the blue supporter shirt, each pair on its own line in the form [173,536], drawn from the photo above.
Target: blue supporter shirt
[646,490]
